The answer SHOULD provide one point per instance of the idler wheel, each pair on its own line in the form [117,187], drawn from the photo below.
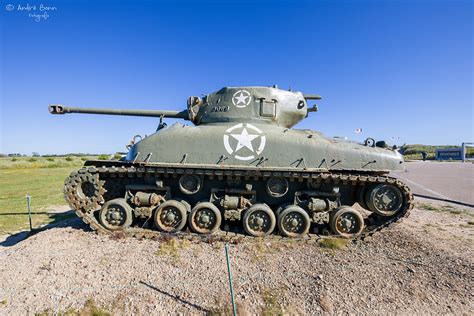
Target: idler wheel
[384,199]
[205,218]
[346,222]
[116,215]
[170,216]
[84,191]
[293,221]
[259,220]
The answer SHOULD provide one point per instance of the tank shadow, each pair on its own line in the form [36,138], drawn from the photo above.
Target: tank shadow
[177,298]
[59,220]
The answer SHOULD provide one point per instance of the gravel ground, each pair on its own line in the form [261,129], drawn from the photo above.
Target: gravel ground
[424,265]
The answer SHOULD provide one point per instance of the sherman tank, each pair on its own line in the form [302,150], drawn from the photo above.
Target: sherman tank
[240,168]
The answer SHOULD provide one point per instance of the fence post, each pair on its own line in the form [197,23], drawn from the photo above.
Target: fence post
[28,202]
[230,279]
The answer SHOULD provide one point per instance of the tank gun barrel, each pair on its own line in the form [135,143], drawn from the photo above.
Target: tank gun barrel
[61,109]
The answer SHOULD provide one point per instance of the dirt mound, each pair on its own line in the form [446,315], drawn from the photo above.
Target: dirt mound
[424,265]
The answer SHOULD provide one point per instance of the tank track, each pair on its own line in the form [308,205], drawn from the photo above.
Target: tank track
[97,176]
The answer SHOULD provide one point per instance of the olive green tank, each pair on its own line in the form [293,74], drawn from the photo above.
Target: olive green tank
[240,168]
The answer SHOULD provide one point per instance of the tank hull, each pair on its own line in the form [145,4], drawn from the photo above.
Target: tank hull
[262,146]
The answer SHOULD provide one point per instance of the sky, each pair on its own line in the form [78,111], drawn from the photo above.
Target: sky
[401,71]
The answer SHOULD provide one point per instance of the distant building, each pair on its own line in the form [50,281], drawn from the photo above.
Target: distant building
[449,154]
[465,155]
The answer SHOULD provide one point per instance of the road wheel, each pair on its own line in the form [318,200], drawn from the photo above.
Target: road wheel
[293,221]
[259,220]
[116,215]
[170,216]
[346,222]
[205,218]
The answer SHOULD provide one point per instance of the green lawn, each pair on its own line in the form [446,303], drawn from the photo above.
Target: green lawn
[44,184]
[41,162]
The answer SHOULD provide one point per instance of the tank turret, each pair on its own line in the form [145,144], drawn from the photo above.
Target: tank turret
[230,104]
[251,104]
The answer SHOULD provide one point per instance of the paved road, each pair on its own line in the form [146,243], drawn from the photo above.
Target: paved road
[445,180]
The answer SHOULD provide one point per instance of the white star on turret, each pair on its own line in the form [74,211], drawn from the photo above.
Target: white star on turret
[241,98]
[244,140]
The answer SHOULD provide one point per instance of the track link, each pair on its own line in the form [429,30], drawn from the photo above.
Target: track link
[85,200]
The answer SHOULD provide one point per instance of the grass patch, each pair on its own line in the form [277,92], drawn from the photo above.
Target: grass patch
[427,206]
[333,243]
[261,248]
[46,189]
[272,302]
[223,307]
[170,248]
[444,209]
[90,308]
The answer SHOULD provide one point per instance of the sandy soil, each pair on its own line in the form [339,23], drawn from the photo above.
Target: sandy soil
[423,265]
